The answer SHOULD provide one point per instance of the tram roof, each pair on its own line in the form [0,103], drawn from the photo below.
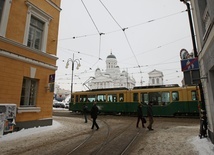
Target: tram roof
[104,89]
[157,86]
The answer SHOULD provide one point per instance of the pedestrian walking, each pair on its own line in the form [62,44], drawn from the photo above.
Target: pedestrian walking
[140,116]
[85,110]
[150,116]
[203,124]
[94,113]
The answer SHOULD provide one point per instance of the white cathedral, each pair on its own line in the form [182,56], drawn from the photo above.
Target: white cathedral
[112,77]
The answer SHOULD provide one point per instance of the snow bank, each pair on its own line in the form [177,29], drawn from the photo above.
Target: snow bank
[204,146]
[28,132]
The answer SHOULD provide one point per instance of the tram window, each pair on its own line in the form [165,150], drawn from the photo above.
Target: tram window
[83,98]
[76,100]
[175,96]
[91,98]
[101,98]
[112,98]
[121,97]
[135,97]
[194,95]
[155,98]
[165,98]
[144,98]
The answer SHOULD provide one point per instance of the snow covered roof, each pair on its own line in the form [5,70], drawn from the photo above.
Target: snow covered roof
[155,72]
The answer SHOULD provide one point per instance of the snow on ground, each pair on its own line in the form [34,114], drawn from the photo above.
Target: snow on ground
[29,132]
[202,146]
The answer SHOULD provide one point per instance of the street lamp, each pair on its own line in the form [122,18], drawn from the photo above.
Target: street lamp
[77,61]
[191,27]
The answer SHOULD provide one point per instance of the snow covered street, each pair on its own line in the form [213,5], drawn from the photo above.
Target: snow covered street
[171,136]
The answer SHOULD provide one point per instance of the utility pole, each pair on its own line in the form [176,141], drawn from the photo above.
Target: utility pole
[194,49]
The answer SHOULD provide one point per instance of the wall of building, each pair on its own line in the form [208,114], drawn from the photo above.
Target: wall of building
[18,61]
[203,17]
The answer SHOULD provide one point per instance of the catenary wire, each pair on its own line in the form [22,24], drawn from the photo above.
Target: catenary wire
[100,34]
[132,26]
[123,29]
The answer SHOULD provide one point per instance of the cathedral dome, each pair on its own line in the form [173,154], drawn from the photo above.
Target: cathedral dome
[97,69]
[97,72]
[111,56]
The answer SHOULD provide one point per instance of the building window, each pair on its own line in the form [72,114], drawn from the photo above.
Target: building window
[153,81]
[29,91]
[35,33]
[37,25]
[157,81]
[1,8]
[4,15]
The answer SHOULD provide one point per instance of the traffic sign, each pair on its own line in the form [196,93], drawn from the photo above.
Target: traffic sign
[189,64]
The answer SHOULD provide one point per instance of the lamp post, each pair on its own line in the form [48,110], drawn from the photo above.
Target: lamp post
[191,27]
[73,61]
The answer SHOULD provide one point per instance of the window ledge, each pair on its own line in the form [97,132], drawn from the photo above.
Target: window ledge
[28,109]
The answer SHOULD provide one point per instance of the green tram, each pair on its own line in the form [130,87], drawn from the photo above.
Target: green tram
[168,100]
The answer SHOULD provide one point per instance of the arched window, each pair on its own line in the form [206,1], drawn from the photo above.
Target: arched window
[157,80]
[153,81]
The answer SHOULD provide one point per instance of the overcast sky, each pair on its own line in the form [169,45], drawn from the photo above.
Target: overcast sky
[145,33]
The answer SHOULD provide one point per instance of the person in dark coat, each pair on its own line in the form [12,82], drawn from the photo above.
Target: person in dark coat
[140,115]
[94,113]
[85,110]
[203,124]
[150,116]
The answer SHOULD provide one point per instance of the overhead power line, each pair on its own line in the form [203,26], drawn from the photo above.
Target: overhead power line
[123,29]
[156,19]
[100,34]
[90,17]
[128,27]
[110,14]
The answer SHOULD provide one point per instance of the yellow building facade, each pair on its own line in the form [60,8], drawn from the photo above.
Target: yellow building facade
[28,47]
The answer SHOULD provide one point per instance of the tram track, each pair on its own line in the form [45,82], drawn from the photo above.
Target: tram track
[108,139]
[85,145]
[80,145]
[113,138]
[121,141]
[129,145]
